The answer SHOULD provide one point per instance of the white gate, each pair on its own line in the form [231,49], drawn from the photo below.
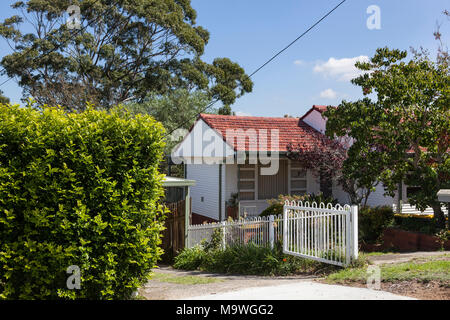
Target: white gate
[323,233]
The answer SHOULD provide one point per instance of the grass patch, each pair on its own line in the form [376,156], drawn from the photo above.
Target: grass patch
[422,270]
[164,277]
[378,253]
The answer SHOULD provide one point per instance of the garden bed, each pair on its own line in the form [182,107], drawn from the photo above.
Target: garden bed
[432,290]
[247,259]
[395,239]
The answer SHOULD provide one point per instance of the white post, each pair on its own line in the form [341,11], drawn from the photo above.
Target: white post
[187,216]
[348,238]
[271,232]
[285,229]
[223,235]
[354,226]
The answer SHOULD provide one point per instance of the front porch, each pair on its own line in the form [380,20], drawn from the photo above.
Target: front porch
[252,189]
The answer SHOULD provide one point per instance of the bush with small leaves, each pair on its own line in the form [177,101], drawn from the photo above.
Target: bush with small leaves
[372,221]
[78,189]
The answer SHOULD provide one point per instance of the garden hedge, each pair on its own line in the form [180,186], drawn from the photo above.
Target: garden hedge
[416,223]
[372,221]
[78,189]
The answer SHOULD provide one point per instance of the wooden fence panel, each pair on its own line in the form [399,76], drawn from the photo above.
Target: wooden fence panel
[173,235]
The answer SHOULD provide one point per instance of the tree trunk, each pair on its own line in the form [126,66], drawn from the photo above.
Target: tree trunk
[326,186]
[439,215]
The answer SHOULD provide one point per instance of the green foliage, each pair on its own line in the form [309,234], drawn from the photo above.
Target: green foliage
[275,208]
[188,280]
[423,270]
[190,258]
[247,259]
[443,236]
[225,110]
[177,107]
[215,243]
[193,258]
[78,189]
[177,111]
[373,221]
[276,205]
[402,136]
[138,47]
[416,223]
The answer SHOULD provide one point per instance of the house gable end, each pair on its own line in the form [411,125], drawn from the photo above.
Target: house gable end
[202,144]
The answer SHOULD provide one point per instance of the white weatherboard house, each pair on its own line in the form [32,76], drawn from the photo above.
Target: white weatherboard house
[212,147]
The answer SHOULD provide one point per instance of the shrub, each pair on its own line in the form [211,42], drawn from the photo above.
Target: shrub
[276,205]
[78,189]
[247,259]
[416,223]
[190,258]
[215,242]
[373,221]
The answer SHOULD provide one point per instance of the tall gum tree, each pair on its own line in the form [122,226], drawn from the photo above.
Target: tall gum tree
[123,50]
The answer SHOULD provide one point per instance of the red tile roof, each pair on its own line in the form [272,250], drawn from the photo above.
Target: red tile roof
[321,109]
[290,130]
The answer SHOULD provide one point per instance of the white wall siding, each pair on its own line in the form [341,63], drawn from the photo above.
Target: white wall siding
[377,197]
[231,180]
[223,188]
[340,194]
[202,145]
[313,185]
[315,120]
[207,186]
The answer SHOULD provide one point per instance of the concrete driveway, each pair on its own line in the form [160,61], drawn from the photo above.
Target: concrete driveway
[238,287]
[303,290]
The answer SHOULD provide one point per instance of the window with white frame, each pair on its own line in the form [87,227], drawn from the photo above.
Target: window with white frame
[298,179]
[247,181]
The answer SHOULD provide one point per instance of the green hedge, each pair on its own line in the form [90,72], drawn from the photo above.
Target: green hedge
[416,223]
[78,189]
[372,221]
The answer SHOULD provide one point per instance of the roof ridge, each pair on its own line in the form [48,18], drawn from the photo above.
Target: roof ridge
[202,115]
[290,131]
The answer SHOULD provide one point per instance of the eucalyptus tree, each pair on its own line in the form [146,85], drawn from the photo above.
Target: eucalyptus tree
[121,51]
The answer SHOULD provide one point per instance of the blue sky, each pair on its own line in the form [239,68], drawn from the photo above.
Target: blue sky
[317,68]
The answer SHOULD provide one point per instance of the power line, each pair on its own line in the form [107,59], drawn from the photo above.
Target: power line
[268,61]
[252,74]
[300,36]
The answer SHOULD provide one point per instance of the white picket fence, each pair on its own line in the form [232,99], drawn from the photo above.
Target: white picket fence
[322,232]
[319,232]
[262,231]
